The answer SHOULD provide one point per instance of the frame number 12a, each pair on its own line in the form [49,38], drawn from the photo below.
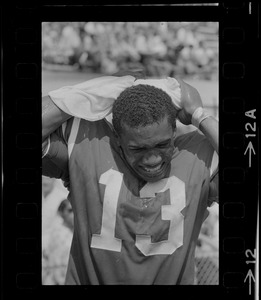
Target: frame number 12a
[250,127]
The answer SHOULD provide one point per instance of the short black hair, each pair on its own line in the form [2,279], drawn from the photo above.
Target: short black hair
[142,105]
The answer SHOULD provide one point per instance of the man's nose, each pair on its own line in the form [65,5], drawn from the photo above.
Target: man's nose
[152,159]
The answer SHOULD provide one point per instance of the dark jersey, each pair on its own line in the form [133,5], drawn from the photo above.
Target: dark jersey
[125,231]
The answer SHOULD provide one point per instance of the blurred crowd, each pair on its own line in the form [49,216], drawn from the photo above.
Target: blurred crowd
[57,232]
[163,48]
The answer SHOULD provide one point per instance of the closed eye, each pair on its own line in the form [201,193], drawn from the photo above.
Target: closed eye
[137,149]
[163,145]
[160,145]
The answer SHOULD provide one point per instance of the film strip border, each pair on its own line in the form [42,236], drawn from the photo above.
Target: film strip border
[21,208]
[239,149]
[21,165]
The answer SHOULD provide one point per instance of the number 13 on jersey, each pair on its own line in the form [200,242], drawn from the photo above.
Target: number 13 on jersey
[106,240]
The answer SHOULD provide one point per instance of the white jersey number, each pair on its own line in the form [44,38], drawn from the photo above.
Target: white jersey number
[106,239]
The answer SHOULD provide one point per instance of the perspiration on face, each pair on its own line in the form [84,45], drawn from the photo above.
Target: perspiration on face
[148,149]
[144,119]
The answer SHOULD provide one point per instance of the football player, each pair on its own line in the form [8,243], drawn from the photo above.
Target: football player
[139,192]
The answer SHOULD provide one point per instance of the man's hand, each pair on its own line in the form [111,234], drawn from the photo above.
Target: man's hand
[137,73]
[190,101]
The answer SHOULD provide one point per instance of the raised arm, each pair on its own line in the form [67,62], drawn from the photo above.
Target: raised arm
[52,117]
[209,127]
[191,102]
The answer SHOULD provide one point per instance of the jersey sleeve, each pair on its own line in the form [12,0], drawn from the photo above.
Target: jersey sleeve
[55,157]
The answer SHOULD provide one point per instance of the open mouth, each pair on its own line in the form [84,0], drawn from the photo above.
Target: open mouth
[153,171]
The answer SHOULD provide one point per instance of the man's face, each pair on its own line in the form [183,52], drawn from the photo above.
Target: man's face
[148,150]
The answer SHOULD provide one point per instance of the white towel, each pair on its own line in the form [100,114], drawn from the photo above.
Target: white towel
[92,100]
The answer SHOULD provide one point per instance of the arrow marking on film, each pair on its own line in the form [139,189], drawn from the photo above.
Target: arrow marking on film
[250,276]
[250,148]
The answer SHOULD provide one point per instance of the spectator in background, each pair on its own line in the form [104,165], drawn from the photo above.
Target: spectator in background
[209,233]
[52,194]
[207,249]
[66,213]
[58,246]
[105,47]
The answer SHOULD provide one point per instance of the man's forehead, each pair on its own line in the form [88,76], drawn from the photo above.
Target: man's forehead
[146,135]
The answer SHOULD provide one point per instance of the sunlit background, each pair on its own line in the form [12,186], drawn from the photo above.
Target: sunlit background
[73,52]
